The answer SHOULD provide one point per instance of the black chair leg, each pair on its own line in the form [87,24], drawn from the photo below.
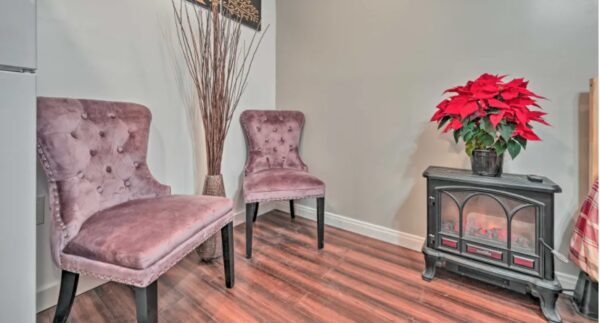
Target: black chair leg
[292,211]
[255,212]
[68,287]
[228,263]
[249,214]
[146,303]
[320,222]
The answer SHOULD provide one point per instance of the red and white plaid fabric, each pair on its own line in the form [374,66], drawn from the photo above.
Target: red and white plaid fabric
[584,241]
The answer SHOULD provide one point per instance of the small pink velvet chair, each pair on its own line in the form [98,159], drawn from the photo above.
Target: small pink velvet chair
[274,170]
[110,218]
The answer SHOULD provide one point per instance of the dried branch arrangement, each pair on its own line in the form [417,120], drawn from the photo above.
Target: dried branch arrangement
[218,65]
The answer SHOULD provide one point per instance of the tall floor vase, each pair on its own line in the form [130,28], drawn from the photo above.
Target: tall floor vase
[211,248]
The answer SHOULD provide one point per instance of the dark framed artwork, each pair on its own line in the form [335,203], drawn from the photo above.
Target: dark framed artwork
[249,11]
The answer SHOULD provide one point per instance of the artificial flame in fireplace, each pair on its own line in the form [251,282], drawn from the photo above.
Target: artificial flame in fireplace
[494,228]
[482,226]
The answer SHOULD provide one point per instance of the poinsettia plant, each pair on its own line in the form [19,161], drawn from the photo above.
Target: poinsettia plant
[488,113]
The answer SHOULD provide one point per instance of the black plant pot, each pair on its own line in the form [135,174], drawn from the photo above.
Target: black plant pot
[486,162]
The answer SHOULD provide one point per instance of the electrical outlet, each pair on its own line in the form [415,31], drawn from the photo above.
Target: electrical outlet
[40,209]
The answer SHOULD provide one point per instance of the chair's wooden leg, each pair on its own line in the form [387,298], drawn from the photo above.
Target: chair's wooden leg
[146,303]
[228,255]
[255,212]
[249,213]
[68,287]
[321,222]
[292,211]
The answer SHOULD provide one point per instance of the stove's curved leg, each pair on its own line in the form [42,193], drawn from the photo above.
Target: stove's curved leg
[548,299]
[430,263]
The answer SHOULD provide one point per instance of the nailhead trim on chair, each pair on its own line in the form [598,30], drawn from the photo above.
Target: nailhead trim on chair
[285,198]
[55,203]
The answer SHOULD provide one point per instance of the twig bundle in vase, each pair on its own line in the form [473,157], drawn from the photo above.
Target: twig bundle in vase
[219,67]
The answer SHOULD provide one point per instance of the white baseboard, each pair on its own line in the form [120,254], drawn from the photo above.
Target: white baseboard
[567,281]
[266,207]
[374,231]
[399,238]
[47,296]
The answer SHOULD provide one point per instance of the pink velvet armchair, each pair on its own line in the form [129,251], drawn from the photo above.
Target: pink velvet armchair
[274,170]
[110,218]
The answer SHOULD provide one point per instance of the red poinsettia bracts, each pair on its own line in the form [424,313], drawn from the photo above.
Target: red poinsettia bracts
[489,113]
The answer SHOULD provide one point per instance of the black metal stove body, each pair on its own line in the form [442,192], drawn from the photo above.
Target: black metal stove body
[499,230]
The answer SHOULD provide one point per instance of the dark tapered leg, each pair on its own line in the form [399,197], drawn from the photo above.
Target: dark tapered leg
[321,222]
[249,214]
[146,303]
[255,212]
[548,299]
[292,211]
[227,239]
[429,272]
[68,287]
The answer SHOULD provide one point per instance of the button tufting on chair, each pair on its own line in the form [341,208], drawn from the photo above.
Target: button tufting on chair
[80,174]
[136,165]
[99,189]
[73,134]
[108,169]
[84,116]
[120,149]
[127,183]
[112,115]
[93,152]
[102,134]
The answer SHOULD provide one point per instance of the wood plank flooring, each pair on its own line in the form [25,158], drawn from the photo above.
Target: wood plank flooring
[354,279]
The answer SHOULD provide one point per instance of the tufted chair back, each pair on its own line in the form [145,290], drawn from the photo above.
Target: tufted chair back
[94,155]
[273,138]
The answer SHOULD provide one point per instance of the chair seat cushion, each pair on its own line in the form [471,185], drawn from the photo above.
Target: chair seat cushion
[281,184]
[138,233]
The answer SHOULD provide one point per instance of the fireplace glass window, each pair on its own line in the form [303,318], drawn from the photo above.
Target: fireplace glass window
[449,213]
[485,219]
[523,230]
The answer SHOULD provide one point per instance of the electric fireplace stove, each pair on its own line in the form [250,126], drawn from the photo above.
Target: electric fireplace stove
[499,230]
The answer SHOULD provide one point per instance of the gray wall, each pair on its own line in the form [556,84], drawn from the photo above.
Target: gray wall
[368,75]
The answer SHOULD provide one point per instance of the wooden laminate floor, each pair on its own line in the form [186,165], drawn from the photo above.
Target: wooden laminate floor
[354,279]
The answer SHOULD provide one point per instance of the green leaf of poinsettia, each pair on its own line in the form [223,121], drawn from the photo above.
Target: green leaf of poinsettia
[443,121]
[522,141]
[456,135]
[487,139]
[506,131]
[514,148]
[500,147]
[487,126]
[468,135]
[469,147]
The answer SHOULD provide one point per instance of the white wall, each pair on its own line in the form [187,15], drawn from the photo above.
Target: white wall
[368,75]
[126,50]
